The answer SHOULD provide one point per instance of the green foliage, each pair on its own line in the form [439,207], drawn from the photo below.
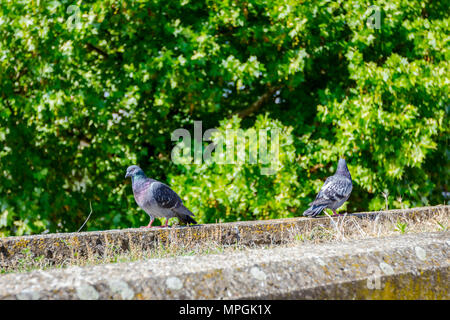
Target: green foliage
[79,102]
[401,227]
[442,227]
[242,190]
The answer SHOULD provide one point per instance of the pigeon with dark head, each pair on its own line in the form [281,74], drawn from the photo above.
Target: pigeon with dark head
[156,198]
[334,192]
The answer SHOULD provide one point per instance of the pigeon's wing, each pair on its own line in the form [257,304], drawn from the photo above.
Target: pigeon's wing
[320,195]
[334,189]
[164,196]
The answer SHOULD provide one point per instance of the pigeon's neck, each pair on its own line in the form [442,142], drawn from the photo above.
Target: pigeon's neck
[138,180]
[343,170]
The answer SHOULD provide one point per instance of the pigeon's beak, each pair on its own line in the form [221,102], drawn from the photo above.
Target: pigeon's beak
[127,175]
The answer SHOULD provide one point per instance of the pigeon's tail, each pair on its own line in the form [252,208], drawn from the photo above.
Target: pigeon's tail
[184,215]
[188,220]
[314,210]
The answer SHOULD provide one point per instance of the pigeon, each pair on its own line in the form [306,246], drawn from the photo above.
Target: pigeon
[334,192]
[156,198]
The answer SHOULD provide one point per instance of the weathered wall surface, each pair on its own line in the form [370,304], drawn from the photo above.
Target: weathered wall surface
[57,248]
[413,266]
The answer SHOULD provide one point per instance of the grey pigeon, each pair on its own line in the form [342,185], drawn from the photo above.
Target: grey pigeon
[156,198]
[334,192]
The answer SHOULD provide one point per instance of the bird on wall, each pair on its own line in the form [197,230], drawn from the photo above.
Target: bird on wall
[157,199]
[334,192]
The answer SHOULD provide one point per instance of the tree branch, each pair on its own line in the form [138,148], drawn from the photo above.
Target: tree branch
[258,103]
[91,47]
[8,104]
[21,73]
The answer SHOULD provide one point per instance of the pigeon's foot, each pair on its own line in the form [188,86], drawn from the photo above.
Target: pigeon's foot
[338,214]
[149,225]
[335,214]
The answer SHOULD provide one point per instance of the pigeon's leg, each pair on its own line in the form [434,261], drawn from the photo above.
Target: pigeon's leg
[166,225]
[150,224]
[335,214]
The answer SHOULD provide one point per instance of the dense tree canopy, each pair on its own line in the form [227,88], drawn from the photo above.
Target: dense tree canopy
[90,87]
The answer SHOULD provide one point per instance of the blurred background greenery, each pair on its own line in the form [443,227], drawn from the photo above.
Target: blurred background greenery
[87,91]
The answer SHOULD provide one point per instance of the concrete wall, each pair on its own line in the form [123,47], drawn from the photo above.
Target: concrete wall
[413,266]
[57,248]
